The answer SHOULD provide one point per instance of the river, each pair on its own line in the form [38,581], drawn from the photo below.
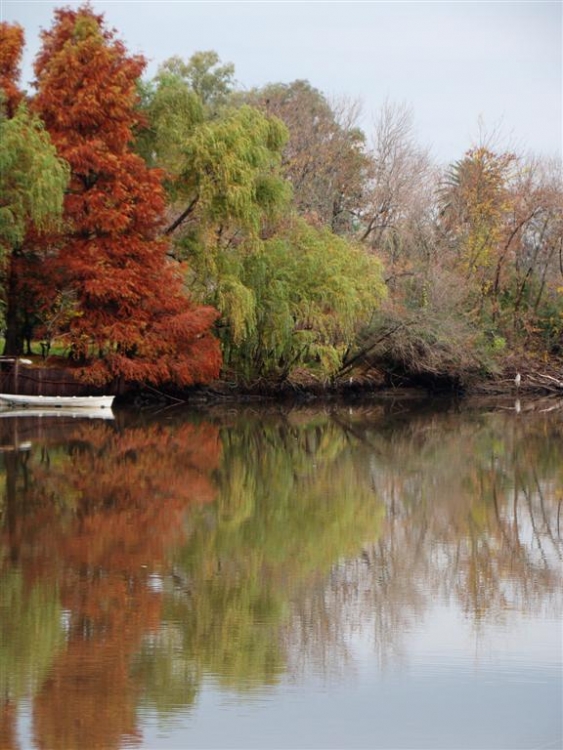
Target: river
[376,575]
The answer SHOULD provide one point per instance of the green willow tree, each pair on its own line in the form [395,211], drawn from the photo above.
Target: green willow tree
[204,74]
[313,291]
[291,295]
[33,180]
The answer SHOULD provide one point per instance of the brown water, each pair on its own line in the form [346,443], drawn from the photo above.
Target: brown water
[385,576]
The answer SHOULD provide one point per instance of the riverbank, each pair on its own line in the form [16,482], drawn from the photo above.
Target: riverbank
[534,380]
[518,375]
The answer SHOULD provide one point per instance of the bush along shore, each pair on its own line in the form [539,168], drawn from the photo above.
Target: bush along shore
[526,381]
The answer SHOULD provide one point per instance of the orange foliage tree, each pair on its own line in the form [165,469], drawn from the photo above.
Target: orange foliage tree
[127,315]
[11,48]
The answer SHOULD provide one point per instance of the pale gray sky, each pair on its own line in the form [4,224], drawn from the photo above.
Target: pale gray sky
[455,63]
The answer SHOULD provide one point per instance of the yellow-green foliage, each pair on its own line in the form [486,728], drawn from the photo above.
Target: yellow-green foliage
[229,165]
[476,201]
[203,74]
[290,295]
[292,502]
[30,634]
[32,178]
[312,291]
[173,112]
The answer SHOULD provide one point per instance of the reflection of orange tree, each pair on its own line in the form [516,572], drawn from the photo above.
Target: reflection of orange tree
[112,506]
[8,734]
[113,498]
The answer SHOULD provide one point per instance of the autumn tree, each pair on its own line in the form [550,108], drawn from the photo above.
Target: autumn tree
[501,215]
[475,202]
[131,317]
[324,158]
[438,263]
[11,48]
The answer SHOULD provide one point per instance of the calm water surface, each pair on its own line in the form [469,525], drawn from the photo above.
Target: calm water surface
[382,576]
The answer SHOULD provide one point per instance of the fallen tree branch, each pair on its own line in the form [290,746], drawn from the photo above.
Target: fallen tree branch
[548,382]
[346,366]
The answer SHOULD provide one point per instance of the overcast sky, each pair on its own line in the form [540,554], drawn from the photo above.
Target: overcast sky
[455,63]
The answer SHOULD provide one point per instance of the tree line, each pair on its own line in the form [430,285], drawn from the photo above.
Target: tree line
[181,229]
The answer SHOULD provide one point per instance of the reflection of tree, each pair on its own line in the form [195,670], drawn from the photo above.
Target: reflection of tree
[315,523]
[473,502]
[291,502]
[8,717]
[30,636]
[98,516]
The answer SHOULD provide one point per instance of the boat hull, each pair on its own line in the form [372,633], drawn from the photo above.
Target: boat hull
[56,402]
[14,412]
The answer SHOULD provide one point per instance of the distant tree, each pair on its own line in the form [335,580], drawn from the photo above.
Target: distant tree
[132,319]
[526,287]
[476,206]
[324,158]
[396,193]
[542,222]
[475,200]
[204,75]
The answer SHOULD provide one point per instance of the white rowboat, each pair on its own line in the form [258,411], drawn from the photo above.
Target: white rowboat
[14,412]
[57,402]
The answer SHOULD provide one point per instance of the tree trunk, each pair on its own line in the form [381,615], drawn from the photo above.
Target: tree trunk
[13,345]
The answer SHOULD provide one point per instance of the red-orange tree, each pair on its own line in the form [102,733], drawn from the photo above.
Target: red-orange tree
[11,47]
[127,314]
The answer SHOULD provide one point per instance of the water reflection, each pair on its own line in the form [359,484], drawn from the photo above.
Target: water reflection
[144,556]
